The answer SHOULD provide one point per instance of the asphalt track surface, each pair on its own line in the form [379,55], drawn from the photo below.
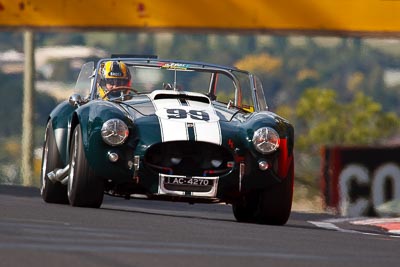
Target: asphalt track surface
[152,233]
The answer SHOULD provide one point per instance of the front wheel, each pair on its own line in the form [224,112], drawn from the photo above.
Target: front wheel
[85,189]
[245,208]
[276,203]
[269,206]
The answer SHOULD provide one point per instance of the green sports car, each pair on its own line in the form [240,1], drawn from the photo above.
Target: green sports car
[169,130]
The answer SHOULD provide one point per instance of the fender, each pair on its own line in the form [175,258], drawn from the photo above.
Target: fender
[284,156]
[60,119]
[285,159]
[91,118]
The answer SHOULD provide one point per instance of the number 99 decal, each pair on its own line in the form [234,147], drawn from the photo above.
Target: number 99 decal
[188,114]
[177,113]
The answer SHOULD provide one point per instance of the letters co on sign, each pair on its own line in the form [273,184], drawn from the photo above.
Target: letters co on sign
[355,181]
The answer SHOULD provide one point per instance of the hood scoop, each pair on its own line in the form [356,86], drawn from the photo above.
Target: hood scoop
[183,97]
[183,107]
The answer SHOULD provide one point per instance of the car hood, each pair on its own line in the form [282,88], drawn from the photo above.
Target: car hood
[181,115]
[150,104]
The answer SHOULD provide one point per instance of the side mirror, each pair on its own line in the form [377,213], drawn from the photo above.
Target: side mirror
[75,100]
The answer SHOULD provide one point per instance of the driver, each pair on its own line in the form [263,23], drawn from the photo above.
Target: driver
[113,75]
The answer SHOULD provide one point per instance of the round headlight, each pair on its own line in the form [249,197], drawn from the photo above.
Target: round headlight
[114,132]
[266,140]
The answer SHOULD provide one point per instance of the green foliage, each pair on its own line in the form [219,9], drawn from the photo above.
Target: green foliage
[323,120]
[56,39]
[11,107]
[62,71]
[11,40]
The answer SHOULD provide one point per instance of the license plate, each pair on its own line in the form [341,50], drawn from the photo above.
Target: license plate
[174,180]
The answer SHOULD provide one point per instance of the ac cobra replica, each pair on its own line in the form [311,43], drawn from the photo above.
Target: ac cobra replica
[182,131]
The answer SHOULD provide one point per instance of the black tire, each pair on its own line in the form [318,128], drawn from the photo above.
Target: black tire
[276,203]
[245,208]
[51,160]
[271,206]
[84,188]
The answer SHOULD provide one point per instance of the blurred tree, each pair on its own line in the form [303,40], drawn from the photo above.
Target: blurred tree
[247,44]
[11,40]
[322,120]
[11,107]
[268,68]
[105,40]
[262,64]
[280,44]
[59,39]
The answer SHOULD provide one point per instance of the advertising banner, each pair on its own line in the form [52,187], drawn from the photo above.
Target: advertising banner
[355,181]
[364,17]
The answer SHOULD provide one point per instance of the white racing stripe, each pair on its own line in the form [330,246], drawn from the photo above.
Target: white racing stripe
[210,131]
[171,130]
[175,117]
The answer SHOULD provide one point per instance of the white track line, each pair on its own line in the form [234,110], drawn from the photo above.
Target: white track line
[329,225]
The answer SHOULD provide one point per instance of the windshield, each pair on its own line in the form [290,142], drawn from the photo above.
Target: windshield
[222,85]
[85,79]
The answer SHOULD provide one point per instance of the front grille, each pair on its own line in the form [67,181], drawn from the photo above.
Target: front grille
[189,158]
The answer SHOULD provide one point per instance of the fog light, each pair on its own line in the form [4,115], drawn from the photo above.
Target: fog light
[176,161]
[216,163]
[263,165]
[113,157]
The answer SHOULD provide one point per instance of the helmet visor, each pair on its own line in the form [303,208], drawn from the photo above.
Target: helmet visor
[117,82]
